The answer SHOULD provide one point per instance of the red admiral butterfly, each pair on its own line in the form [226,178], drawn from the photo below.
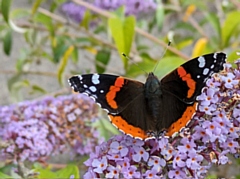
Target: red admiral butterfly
[147,110]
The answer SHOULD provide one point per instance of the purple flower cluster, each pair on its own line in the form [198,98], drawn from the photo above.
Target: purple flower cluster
[35,130]
[213,133]
[133,7]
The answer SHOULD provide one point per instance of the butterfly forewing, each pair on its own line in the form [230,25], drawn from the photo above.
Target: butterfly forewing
[187,81]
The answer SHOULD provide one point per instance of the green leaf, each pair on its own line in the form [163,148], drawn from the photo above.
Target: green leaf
[22,60]
[19,13]
[7,42]
[102,59]
[75,55]
[45,20]
[37,88]
[70,171]
[160,15]
[59,50]
[129,32]
[2,175]
[123,33]
[184,43]
[67,172]
[35,6]
[105,128]
[63,63]
[5,7]
[46,173]
[229,26]
[215,22]
[147,64]
[168,64]
[86,19]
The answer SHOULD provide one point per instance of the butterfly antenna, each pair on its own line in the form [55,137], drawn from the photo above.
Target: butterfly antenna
[169,43]
[134,62]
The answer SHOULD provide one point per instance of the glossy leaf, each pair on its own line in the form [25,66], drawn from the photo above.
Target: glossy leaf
[123,33]
[102,59]
[168,64]
[160,15]
[37,88]
[19,13]
[35,6]
[75,55]
[5,7]
[46,173]
[128,31]
[46,21]
[7,42]
[70,171]
[199,47]
[231,23]
[2,175]
[63,63]
[59,48]
[105,128]
[86,19]
[146,65]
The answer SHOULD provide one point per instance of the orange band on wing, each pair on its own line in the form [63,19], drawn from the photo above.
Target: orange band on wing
[113,91]
[123,126]
[188,79]
[183,121]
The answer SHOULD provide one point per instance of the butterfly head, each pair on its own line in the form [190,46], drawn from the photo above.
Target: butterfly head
[152,85]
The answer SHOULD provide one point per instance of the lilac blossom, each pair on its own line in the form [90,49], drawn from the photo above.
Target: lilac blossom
[38,129]
[213,135]
[134,7]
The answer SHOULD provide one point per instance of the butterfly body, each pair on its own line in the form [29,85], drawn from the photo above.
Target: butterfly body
[146,110]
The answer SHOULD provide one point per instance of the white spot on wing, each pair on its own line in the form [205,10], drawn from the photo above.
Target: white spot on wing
[80,77]
[215,56]
[198,76]
[85,86]
[101,91]
[205,71]
[202,62]
[95,79]
[93,88]
[212,66]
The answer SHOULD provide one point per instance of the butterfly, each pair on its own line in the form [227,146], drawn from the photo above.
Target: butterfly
[147,110]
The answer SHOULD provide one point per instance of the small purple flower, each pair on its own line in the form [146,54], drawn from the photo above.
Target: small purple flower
[131,172]
[179,160]
[188,146]
[229,81]
[230,145]
[118,148]
[113,172]
[208,97]
[194,160]
[177,174]
[151,174]
[140,153]
[157,163]
[99,165]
